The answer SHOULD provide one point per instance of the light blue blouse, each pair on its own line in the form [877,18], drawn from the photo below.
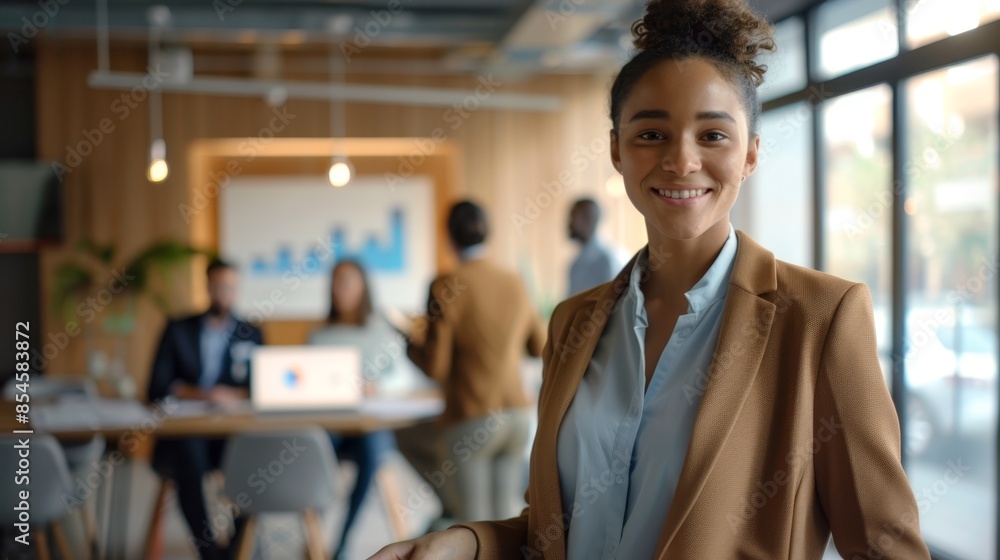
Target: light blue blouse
[621,446]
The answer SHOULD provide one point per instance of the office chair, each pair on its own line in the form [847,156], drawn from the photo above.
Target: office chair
[48,484]
[277,472]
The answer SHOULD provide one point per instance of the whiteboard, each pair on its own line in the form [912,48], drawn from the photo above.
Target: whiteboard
[286,233]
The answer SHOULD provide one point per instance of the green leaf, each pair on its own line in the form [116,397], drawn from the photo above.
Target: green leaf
[105,254]
[71,280]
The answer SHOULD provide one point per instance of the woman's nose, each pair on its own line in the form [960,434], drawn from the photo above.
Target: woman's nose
[680,158]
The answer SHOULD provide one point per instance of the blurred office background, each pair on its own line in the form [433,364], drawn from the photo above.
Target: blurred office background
[879,164]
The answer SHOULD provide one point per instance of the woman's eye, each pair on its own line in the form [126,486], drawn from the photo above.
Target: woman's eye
[651,135]
[715,136]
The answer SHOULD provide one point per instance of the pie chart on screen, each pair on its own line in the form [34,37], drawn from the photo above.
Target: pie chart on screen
[292,377]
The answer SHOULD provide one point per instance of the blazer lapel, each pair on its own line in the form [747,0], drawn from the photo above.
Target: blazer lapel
[743,336]
[570,358]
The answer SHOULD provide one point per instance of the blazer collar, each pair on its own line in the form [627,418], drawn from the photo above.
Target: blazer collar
[746,324]
[754,271]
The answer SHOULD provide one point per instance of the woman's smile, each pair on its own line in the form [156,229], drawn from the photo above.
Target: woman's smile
[681,196]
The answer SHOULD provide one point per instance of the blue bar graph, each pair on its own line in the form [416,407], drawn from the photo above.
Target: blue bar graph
[374,252]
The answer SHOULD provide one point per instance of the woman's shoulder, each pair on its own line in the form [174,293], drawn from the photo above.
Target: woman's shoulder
[799,286]
[808,278]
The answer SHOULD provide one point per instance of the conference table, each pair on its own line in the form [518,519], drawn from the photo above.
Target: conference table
[123,423]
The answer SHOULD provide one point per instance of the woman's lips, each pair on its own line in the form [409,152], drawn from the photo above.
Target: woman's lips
[682,196]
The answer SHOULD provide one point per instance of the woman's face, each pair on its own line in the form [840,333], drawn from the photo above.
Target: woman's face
[682,147]
[348,288]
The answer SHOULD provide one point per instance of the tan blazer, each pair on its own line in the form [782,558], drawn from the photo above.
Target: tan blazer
[796,436]
[479,325]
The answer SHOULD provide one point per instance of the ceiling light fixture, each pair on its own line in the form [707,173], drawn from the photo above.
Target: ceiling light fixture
[157,171]
[341,169]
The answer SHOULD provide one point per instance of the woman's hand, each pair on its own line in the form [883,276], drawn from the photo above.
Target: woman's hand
[454,544]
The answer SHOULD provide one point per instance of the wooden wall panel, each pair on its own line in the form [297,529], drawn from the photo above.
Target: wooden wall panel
[501,159]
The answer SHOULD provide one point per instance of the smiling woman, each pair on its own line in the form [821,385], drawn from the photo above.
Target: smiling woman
[711,401]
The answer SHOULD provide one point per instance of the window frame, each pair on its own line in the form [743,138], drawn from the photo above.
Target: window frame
[910,62]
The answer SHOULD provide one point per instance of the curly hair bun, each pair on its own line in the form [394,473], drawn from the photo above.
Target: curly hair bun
[721,29]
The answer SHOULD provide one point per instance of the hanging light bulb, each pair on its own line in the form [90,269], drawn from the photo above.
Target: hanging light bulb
[159,17]
[341,171]
[157,170]
[341,168]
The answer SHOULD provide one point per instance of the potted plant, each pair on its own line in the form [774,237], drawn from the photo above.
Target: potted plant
[98,296]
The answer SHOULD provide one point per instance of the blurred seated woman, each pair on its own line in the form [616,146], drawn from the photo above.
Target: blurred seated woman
[351,322]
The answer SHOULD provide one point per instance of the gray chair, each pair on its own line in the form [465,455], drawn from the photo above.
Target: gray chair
[49,486]
[81,456]
[280,472]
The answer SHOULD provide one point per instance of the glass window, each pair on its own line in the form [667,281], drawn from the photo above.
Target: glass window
[854,34]
[930,20]
[951,315]
[781,187]
[858,199]
[786,66]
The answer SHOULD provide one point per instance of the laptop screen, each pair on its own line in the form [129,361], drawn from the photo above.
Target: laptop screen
[305,377]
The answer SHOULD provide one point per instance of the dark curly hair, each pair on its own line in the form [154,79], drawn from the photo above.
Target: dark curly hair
[727,33]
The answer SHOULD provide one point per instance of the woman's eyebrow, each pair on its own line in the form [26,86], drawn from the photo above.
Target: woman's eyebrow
[715,115]
[650,114]
[702,116]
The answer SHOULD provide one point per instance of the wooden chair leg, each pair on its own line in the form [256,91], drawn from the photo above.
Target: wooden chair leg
[314,536]
[215,494]
[245,550]
[154,535]
[42,545]
[90,528]
[393,501]
[62,545]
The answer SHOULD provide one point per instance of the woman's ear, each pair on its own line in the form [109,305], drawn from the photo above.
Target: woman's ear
[753,150]
[616,159]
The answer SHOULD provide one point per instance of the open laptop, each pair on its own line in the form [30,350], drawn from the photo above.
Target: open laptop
[305,378]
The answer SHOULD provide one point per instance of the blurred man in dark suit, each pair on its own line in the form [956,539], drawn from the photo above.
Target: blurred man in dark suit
[202,357]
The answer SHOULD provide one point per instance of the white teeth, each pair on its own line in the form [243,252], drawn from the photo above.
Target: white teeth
[681,194]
